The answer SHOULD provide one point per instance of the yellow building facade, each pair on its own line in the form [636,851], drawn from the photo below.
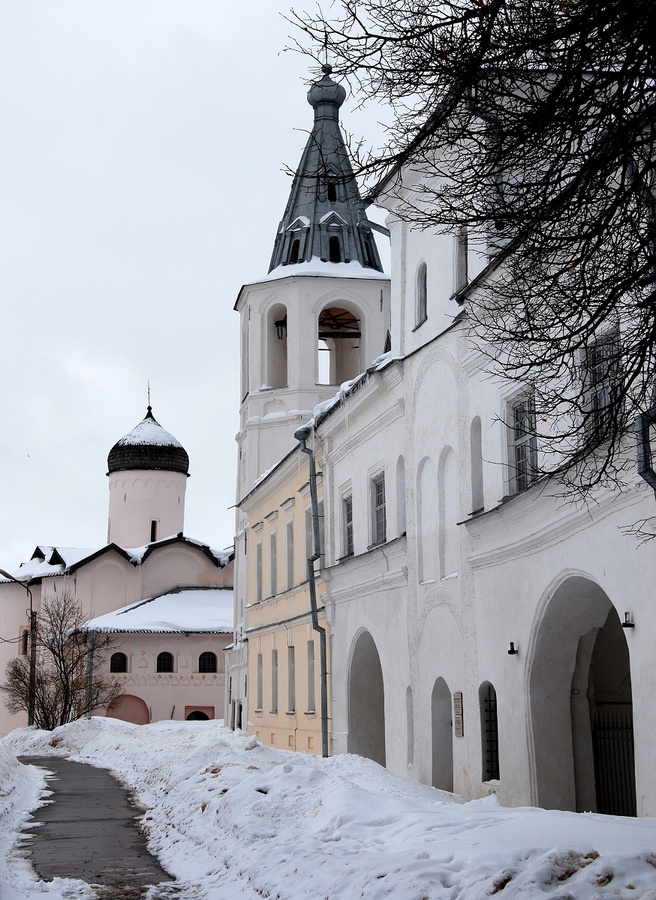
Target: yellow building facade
[285,653]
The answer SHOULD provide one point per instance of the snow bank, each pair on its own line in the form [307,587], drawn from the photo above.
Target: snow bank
[233,819]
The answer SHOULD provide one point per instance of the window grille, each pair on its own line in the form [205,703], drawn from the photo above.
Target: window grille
[490,732]
[118,662]
[165,662]
[207,663]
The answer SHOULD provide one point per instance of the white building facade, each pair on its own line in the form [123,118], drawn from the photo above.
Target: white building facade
[487,636]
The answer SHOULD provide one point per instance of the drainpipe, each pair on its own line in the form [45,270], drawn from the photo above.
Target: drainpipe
[94,635]
[301,435]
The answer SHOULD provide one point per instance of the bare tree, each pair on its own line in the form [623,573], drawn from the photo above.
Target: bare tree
[70,681]
[529,125]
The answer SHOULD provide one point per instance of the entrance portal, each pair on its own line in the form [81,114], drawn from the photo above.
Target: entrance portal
[581,704]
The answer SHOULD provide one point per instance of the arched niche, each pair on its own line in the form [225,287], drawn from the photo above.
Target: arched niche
[366,698]
[442,736]
[427,519]
[276,346]
[129,708]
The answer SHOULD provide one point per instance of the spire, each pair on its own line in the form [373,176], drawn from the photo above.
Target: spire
[325,218]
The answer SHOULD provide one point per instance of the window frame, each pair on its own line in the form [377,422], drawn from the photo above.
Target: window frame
[522,442]
[421,295]
[348,548]
[159,663]
[378,505]
[204,660]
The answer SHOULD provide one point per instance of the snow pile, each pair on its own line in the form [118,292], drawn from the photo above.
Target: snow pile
[233,819]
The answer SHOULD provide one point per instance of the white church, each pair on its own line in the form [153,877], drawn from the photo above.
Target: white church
[483,636]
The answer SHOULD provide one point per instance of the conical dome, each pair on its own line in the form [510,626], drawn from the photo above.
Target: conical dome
[148,446]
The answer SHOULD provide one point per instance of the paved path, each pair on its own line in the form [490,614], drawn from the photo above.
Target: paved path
[88,830]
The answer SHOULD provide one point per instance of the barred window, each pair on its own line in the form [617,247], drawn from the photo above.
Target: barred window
[118,662]
[207,663]
[165,662]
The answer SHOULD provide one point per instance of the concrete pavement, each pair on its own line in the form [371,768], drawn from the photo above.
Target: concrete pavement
[88,830]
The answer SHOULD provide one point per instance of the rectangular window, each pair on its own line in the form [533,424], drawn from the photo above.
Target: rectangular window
[274,681]
[258,571]
[273,559]
[309,536]
[602,379]
[378,514]
[523,443]
[322,542]
[310,677]
[291,680]
[347,515]
[290,555]
[259,683]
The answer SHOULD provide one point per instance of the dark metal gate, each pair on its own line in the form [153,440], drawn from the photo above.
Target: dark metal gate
[612,736]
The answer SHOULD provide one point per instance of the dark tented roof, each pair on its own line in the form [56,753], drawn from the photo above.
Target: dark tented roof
[325,218]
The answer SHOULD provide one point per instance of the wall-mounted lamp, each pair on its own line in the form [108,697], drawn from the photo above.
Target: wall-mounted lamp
[628,621]
[512,650]
[281,328]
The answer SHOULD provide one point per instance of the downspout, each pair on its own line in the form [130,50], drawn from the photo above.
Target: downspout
[301,435]
[92,651]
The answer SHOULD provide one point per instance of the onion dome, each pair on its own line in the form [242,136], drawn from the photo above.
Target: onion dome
[148,446]
[326,91]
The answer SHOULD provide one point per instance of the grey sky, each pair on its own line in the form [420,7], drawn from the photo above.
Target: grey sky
[141,184]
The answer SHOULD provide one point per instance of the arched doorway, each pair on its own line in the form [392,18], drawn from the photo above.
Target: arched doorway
[581,704]
[197,716]
[129,708]
[442,736]
[366,712]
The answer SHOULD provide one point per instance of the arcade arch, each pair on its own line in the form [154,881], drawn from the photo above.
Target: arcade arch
[581,703]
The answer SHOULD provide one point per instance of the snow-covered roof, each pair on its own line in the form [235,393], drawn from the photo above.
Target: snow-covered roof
[48,561]
[318,268]
[189,610]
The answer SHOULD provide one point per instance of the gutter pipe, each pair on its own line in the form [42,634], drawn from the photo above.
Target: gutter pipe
[301,435]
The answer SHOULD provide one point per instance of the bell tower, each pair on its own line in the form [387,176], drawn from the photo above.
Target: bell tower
[321,314]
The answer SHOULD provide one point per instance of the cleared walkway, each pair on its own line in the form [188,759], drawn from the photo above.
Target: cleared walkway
[88,830]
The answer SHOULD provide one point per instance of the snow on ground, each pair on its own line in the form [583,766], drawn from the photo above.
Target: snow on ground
[233,819]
